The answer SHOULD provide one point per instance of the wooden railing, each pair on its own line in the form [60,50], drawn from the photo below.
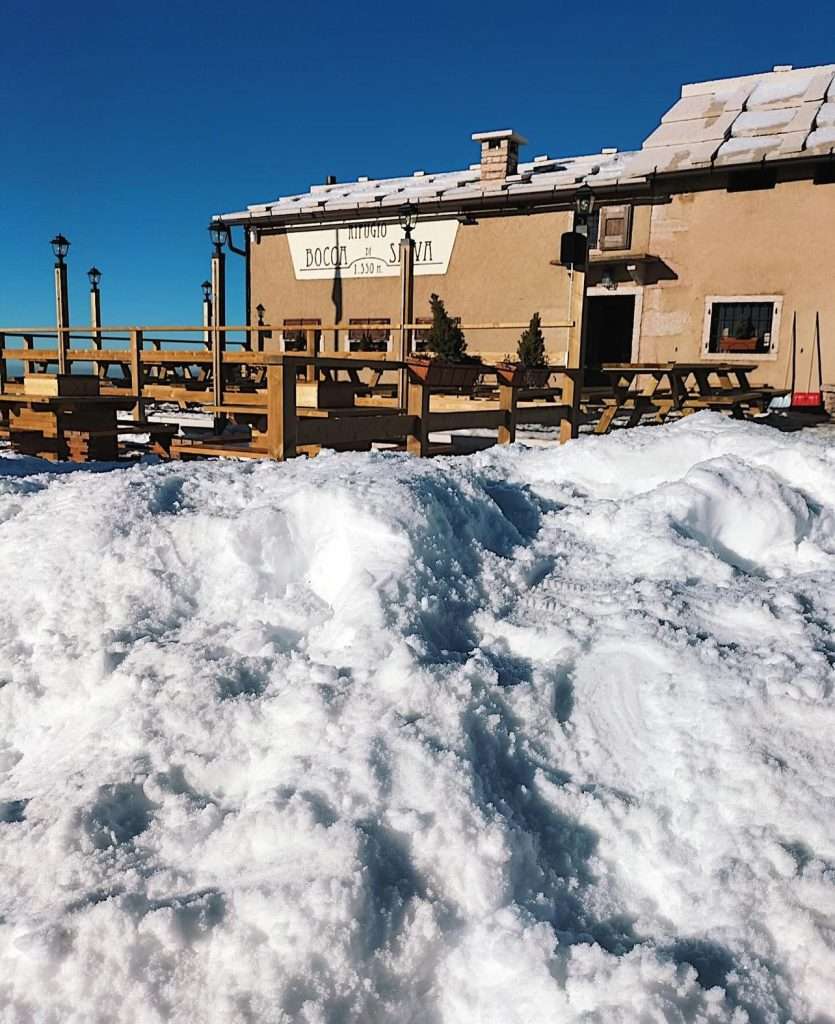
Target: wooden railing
[248,378]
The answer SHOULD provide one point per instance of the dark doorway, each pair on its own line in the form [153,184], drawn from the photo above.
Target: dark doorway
[610,319]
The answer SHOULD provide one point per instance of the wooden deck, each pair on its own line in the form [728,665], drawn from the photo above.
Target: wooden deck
[292,403]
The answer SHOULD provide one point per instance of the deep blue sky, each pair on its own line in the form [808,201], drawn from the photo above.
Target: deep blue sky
[125,125]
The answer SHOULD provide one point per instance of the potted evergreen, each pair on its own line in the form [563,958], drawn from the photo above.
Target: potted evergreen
[744,339]
[450,366]
[530,368]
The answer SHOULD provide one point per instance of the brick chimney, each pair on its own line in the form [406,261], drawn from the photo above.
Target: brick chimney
[499,153]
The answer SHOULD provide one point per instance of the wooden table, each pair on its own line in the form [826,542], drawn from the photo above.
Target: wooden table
[75,427]
[638,389]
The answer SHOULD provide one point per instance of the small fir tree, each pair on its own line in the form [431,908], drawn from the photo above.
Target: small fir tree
[531,348]
[445,338]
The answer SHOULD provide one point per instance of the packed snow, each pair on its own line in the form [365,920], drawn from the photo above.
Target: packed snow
[535,735]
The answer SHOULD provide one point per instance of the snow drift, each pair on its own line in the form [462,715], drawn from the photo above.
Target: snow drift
[535,735]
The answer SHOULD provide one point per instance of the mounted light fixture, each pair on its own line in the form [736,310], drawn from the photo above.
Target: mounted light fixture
[407,215]
[60,247]
[260,310]
[207,291]
[94,274]
[584,201]
[218,232]
[607,280]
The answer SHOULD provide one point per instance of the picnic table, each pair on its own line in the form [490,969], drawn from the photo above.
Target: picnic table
[658,389]
[75,427]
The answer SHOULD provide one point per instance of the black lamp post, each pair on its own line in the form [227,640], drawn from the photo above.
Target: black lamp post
[94,276]
[584,203]
[576,357]
[218,232]
[407,216]
[261,336]
[60,247]
[207,311]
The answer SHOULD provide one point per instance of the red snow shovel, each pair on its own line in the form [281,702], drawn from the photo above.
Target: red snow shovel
[807,401]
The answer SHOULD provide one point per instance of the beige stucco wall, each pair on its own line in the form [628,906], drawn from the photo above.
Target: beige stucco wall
[778,242]
[500,271]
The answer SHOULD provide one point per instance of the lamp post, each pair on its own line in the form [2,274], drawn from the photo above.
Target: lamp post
[94,276]
[218,232]
[584,199]
[407,217]
[207,312]
[259,312]
[60,246]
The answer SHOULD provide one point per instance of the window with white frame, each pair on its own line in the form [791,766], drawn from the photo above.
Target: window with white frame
[294,335]
[363,337]
[741,324]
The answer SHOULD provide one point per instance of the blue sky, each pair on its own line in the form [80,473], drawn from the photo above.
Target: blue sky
[125,126]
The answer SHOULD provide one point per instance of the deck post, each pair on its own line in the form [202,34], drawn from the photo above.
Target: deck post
[407,302]
[310,350]
[4,369]
[508,396]
[573,384]
[136,373]
[282,424]
[95,322]
[218,284]
[29,345]
[417,405]
[62,314]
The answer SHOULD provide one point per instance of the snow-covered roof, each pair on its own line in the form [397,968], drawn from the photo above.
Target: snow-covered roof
[779,114]
[455,188]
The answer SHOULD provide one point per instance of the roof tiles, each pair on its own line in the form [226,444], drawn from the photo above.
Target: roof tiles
[737,121]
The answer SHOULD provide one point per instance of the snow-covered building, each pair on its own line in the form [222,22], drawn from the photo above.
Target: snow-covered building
[706,240]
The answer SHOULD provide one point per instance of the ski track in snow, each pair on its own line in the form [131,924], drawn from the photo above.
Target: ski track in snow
[533,735]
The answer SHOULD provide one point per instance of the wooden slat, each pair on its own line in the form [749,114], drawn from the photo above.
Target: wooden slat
[338,431]
[488,420]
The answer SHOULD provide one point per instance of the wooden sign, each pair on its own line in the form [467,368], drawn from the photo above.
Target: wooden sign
[370,250]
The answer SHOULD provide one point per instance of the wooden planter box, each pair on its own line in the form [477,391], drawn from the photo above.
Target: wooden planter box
[54,385]
[435,374]
[325,394]
[738,345]
[522,376]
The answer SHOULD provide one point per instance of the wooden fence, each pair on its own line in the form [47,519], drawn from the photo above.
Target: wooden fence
[249,380]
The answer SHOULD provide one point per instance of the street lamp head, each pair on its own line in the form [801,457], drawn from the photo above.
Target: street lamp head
[94,274]
[207,291]
[260,309]
[584,201]
[218,232]
[408,215]
[60,246]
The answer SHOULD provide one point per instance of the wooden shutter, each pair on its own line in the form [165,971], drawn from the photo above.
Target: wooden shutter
[615,227]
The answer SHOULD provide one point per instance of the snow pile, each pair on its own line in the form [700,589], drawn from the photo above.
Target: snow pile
[535,735]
